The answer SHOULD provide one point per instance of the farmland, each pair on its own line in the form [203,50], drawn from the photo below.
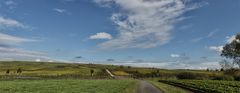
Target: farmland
[51,70]
[210,86]
[44,77]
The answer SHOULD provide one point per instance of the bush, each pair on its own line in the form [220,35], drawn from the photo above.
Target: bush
[224,77]
[237,75]
[234,73]
[189,75]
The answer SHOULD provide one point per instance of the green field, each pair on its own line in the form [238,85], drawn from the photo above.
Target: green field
[68,86]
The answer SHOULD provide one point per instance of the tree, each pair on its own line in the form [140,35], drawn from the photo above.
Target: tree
[8,71]
[232,50]
[19,70]
[91,71]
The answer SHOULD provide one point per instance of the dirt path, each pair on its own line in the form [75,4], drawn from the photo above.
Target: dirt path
[146,87]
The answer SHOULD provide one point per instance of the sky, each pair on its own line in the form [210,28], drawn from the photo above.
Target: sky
[171,34]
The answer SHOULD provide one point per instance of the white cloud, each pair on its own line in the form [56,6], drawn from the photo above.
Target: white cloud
[60,10]
[144,23]
[101,35]
[175,55]
[216,48]
[229,39]
[6,22]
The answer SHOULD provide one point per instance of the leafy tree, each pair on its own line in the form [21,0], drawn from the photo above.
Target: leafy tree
[91,71]
[232,50]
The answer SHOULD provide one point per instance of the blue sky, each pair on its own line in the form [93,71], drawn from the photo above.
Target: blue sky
[164,34]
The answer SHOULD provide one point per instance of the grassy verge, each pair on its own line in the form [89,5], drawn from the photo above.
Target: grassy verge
[132,88]
[166,88]
[68,86]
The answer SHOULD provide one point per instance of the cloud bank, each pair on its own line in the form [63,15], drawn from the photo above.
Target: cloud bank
[144,23]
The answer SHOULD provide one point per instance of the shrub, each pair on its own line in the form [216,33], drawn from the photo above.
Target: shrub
[224,77]
[230,71]
[237,75]
[60,66]
[186,75]
[234,73]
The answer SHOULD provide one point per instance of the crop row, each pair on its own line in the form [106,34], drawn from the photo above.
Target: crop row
[209,86]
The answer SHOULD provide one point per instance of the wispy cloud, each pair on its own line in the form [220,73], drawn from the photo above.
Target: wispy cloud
[101,35]
[60,10]
[175,55]
[216,48]
[9,43]
[212,33]
[9,51]
[10,4]
[143,23]
[230,38]
[209,35]
[197,39]
[12,40]
[7,22]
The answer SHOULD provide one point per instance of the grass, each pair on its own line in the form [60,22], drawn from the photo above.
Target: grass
[166,88]
[68,86]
